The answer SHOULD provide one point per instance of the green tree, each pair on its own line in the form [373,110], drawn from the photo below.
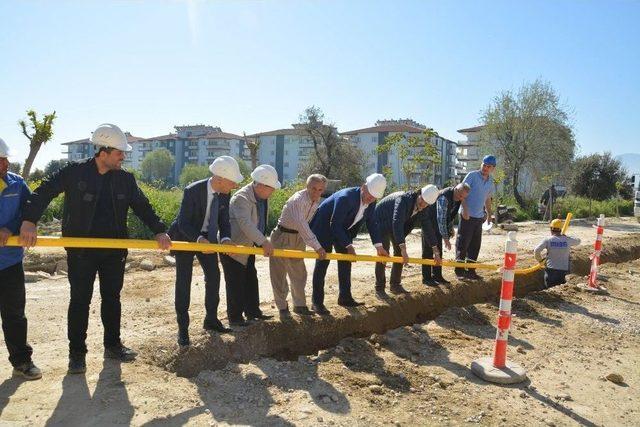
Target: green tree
[36,175]
[417,155]
[191,173]
[54,165]
[157,166]
[529,131]
[39,132]
[253,144]
[332,156]
[596,176]
[15,167]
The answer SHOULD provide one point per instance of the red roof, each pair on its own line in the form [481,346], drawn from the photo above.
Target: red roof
[473,129]
[386,128]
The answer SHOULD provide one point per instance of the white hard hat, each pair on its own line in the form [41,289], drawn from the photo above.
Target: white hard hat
[4,149]
[376,184]
[108,135]
[266,175]
[429,193]
[226,167]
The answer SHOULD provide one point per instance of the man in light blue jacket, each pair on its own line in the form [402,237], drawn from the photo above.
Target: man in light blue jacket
[13,193]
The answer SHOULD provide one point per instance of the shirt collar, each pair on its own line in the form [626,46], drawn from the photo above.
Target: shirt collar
[209,188]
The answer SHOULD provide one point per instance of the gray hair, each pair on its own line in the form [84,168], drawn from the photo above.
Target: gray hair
[316,177]
[463,186]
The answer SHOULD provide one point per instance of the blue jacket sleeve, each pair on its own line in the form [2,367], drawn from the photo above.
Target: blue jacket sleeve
[399,218]
[372,224]
[338,217]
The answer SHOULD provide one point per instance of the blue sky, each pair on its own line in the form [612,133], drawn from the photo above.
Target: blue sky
[252,66]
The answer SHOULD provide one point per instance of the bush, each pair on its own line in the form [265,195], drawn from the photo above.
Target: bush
[579,207]
[55,207]
[166,204]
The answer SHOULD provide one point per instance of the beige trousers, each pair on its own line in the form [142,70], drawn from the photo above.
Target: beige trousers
[279,268]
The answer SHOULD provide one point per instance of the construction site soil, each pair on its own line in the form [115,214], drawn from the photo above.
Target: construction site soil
[400,360]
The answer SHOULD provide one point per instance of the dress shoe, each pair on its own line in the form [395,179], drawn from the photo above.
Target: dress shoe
[349,302]
[259,316]
[397,290]
[320,309]
[441,280]
[216,325]
[472,275]
[429,282]
[303,310]
[461,275]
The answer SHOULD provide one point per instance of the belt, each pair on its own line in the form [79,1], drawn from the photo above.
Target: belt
[286,230]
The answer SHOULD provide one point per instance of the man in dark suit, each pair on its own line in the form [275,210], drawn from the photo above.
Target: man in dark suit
[396,215]
[442,214]
[204,213]
[335,224]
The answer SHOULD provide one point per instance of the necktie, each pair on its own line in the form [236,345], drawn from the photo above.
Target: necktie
[212,233]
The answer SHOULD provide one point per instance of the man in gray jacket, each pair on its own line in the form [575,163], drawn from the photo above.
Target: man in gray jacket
[248,217]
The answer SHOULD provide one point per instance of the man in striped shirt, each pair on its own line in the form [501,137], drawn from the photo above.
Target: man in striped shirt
[293,232]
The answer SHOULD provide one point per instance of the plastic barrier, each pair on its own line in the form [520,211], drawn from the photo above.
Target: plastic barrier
[85,242]
[498,369]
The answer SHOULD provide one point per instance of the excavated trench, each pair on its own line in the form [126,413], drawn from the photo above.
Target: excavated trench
[286,340]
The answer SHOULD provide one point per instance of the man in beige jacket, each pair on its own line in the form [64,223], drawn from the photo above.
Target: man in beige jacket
[248,217]
[293,232]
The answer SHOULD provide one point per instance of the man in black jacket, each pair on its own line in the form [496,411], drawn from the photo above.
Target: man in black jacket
[98,195]
[396,215]
[204,213]
[442,214]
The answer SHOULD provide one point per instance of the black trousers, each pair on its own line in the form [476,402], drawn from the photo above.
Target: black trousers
[396,268]
[468,241]
[431,271]
[320,273]
[83,265]
[14,322]
[184,272]
[553,277]
[243,296]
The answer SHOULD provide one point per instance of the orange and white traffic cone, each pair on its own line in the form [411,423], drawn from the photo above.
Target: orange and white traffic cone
[498,369]
[592,281]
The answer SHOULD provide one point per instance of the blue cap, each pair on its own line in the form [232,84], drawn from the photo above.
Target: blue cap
[489,160]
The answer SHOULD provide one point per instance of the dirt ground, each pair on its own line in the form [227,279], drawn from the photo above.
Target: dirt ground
[418,374]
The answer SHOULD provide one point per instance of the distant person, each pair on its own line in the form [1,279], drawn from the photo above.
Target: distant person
[203,218]
[475,210]
[13,194]
[293,232]
[558,253]
[336,224]
[396,215]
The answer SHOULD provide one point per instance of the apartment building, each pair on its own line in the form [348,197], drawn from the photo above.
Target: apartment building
[368,140]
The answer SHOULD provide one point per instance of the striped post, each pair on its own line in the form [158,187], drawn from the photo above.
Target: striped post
[506,295]
[498,369]
[595,257]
